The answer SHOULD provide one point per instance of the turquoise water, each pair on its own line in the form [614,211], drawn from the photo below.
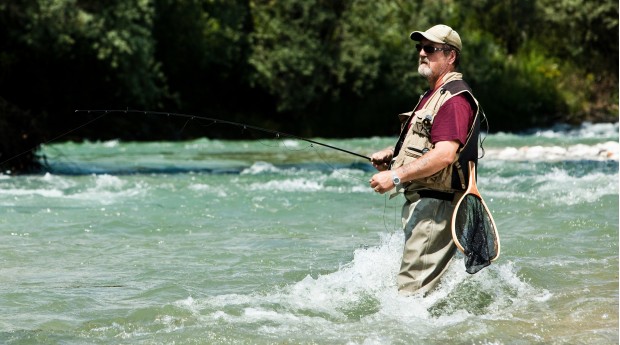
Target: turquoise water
[281,242]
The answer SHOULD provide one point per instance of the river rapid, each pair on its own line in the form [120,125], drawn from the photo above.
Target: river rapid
[282,242]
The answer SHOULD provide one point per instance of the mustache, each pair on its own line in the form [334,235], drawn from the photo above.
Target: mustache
[423,60]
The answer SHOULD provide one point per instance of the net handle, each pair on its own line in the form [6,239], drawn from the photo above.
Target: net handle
[472,188]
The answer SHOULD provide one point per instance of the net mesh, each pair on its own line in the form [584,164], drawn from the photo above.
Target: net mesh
[476,233]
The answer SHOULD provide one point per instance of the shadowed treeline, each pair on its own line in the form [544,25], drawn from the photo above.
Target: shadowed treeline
[310,67]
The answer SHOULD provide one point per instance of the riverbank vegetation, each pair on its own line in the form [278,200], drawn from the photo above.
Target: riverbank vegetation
[330,68]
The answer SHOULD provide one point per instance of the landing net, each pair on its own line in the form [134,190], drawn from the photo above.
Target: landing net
[475,233]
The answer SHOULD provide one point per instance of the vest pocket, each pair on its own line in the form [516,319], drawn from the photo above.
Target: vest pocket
[420,152]
[412,153]
[440,180]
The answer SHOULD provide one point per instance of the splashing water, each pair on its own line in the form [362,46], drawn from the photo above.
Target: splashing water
[244,243]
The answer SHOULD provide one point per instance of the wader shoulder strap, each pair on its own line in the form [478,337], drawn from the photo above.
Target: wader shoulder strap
[469,152]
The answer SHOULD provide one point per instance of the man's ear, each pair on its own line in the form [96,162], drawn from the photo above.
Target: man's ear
[453,55]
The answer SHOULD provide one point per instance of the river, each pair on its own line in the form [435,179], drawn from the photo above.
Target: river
[282,242]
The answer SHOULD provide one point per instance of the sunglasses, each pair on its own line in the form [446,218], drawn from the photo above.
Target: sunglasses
[430,49]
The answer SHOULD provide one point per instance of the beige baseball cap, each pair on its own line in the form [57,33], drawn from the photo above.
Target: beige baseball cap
[439,34]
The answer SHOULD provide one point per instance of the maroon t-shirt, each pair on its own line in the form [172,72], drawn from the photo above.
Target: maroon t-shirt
[453,120]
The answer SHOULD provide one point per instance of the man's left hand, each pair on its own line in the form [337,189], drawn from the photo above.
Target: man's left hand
[382,182]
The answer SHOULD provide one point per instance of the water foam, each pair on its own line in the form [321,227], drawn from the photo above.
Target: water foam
[289,185]
[109,189]
[260,168]
[361,297]
[556,186]
[585,130]
[47,193]
[599,152]
[48,186]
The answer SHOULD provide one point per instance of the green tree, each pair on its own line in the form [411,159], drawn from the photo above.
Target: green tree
[84,44]
[295,47]
[203,46]
[584,34]
[312,67]
[336,63]
[60,55]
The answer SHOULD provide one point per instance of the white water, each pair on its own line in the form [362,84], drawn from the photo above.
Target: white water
[204,243]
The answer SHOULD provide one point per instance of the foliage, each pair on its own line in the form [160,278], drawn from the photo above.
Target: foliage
[308,66]
[204,48]
[585,35]
[585,31]
[19,153]
[110,44]
[315,56]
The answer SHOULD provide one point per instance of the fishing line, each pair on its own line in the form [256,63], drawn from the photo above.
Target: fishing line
[339,171]
[267,143]
[58,155]
[55,138]
[396,224]
[184,125]
[283,145]
[280,144]
[482,139]
[214,120]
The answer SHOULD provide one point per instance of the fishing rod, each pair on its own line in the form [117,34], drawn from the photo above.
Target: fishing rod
[278,134]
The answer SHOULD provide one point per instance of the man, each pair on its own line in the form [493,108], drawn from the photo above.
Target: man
[429,162]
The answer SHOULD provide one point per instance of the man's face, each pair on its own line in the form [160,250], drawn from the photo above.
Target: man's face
[433,65]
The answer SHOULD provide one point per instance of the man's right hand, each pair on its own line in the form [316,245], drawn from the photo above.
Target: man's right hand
[381,160]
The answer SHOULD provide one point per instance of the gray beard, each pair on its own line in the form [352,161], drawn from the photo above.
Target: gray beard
[425,70]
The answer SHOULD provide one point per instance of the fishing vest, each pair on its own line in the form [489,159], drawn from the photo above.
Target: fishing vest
[415,140]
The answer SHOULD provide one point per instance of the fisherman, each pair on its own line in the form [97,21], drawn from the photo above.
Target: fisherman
[429,162]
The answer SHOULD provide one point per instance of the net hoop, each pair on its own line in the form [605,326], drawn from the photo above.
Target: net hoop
[472,189]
